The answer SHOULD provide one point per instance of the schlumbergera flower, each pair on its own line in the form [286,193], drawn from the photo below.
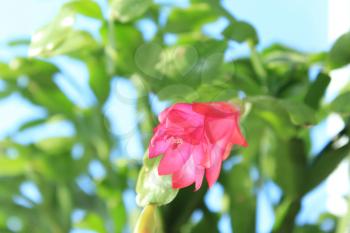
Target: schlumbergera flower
[194,139]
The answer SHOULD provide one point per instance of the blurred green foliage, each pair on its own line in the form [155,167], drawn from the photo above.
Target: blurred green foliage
[281,103]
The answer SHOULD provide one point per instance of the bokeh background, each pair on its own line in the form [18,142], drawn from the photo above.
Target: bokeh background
[71,166]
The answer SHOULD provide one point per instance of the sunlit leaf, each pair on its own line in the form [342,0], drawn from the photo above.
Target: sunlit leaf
[12,167]
[99,79]
[85,7]
[127,10]
[92,222]
[324,164]
[59,37]
[123,48]
[191,19]
[242,201]
[317,90]
[341,104]
[19,42]
[299,113]
[270,110]
[52,145]
[241,32]
[151,188]
[340,53]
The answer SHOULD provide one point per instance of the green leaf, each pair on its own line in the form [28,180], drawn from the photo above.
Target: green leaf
[309,229]
[300,114]
[38,70]
[190,19]
[40,121]
[277,54]
[285,215]
[281,212]
[151,188]
[317,90]
[55,145]
[99,79]
[243,77]
[341,104]
[271,111]
[340,53]
[12,167]
[177,61]
[127,10]
[59,37]
[283,161]
[41,88]
[85,7]
[92,221]
[123,48]
[241,31]
[199,63]
[324,165]
[146,58]
[19,42]
[242,200]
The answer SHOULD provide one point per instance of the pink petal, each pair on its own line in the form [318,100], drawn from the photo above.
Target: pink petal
[218,128]
[214,109]
[196,136]
[183,119]
[158,147]
[179,106]
[195,139]
[185,176]
[159,143]
[237,136]
[199,177]
[217,150]
[174,159]
[212,173]
[184,107]
[227,151]
[163,115]
[200,156]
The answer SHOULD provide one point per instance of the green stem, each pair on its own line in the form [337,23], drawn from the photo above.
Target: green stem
[286,223]
[144,106]
[149,221]
[111,47]
[344,222]
[257,63]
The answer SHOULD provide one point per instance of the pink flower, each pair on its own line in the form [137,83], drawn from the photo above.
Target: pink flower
[194,140]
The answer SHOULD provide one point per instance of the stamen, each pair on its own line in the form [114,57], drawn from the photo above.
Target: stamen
[177,141]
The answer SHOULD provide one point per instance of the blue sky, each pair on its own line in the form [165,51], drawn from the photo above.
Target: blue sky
[297,23]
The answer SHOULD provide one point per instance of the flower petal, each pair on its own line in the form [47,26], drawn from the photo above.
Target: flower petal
[214,109]
[218,128]
[199,177]
[158,146]
[227,151]
[200,156]
[212,173]
[185,176]
[183,119]
[237,136]
[174,159]
[195,139]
